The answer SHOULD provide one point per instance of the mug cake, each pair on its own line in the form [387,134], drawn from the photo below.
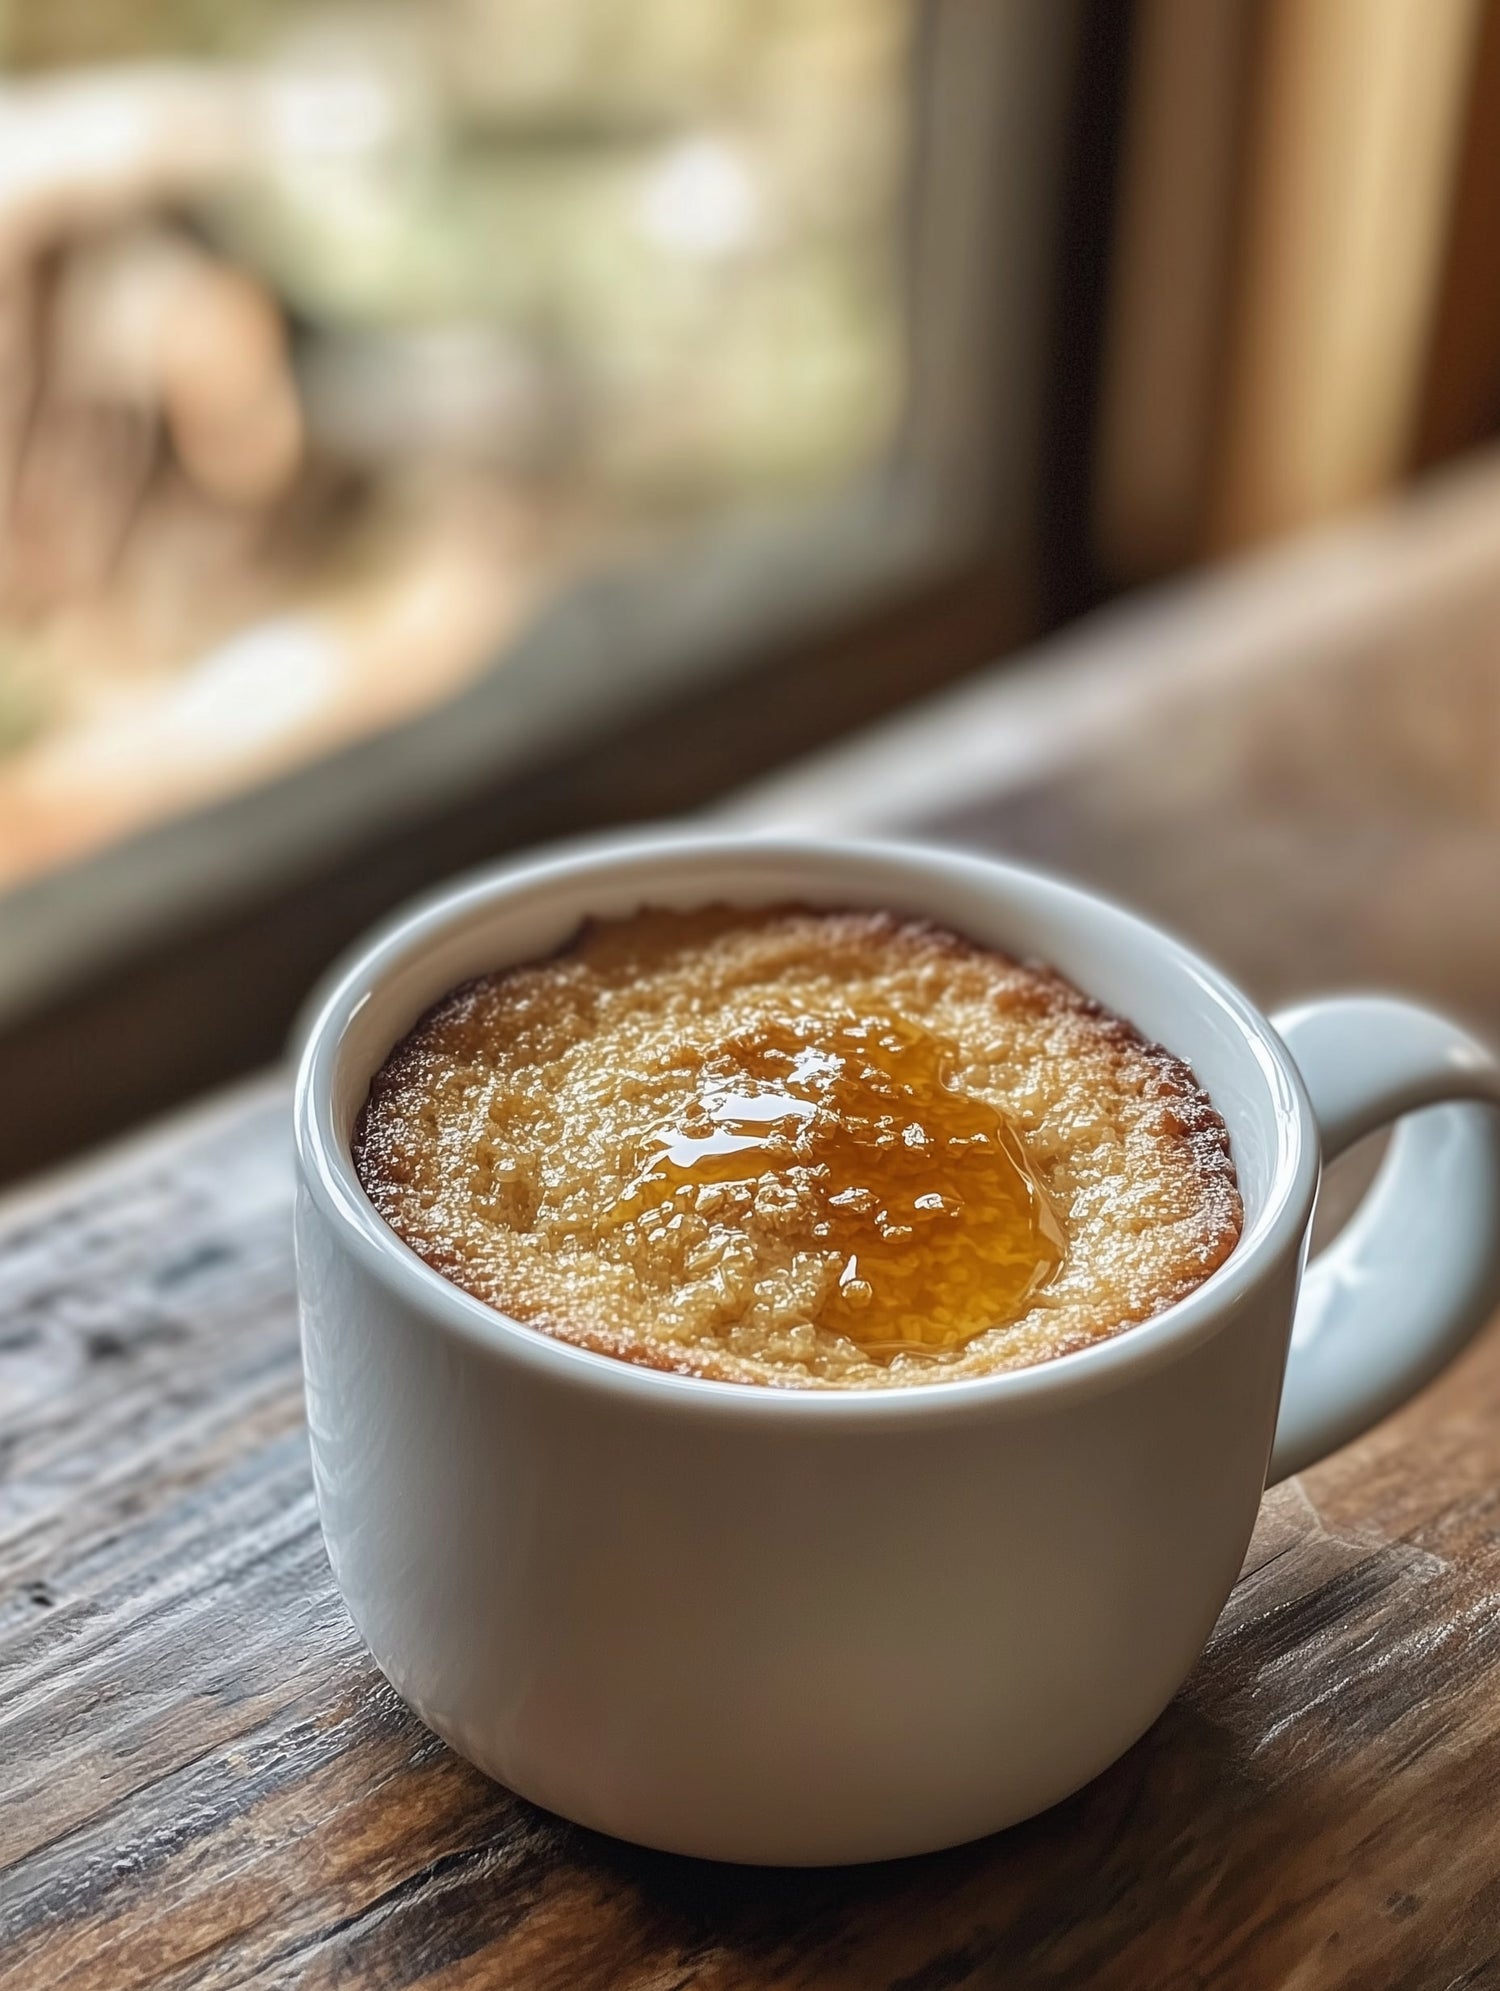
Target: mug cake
[798,1148]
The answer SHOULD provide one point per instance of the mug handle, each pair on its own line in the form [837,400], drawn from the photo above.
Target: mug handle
[1417,1268]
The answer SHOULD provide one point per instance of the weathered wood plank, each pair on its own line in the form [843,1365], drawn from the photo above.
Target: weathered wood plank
[206,1782]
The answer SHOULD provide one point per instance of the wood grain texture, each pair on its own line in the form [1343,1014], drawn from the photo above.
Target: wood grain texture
[204,1781]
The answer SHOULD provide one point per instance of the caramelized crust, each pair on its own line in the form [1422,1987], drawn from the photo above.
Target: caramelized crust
[504,1134]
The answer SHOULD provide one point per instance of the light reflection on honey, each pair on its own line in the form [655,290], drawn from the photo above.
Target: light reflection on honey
[850,1136]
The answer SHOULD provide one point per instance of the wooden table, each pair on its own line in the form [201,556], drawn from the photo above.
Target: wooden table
[203,1780]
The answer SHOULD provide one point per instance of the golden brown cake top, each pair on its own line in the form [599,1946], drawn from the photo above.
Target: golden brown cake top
[798,1147]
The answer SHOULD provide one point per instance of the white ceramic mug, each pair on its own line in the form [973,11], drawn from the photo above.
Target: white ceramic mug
[809,1626]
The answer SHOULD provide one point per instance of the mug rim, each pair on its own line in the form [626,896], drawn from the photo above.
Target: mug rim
[327,1174]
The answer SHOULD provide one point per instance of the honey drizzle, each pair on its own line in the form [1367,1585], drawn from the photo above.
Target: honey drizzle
[854,1132]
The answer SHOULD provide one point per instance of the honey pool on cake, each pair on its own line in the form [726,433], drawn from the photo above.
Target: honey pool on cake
[798,1148]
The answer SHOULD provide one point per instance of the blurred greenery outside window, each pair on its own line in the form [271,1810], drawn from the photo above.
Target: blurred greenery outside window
[388,389]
